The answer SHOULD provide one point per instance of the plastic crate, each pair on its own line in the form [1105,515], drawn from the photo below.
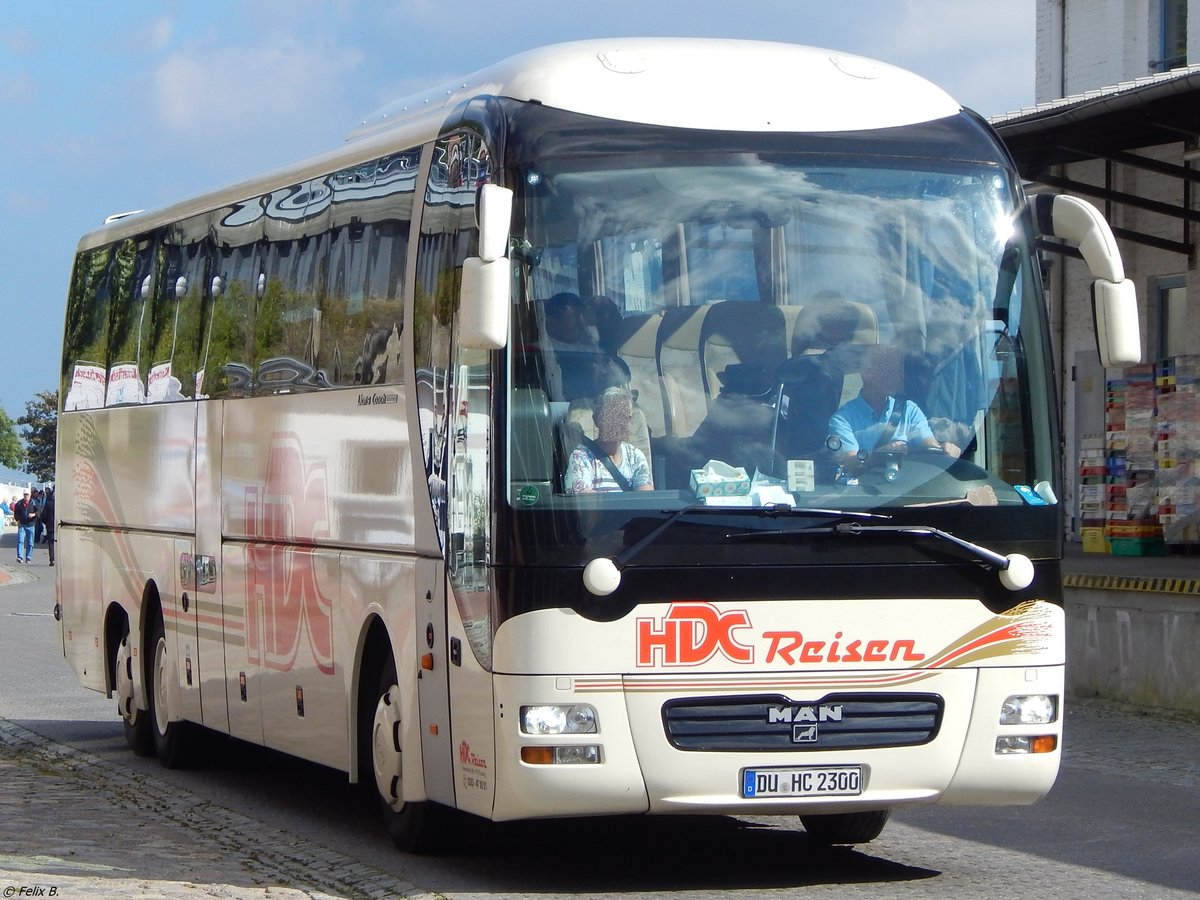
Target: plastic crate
[1125,546]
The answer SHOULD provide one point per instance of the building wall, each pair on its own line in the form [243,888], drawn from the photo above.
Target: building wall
[1134,647]
[1082,45]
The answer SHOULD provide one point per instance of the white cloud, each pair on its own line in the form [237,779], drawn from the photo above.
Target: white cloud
[208,91]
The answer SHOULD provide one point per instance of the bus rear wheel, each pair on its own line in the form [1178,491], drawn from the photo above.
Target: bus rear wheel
[414,826]
[174,741]
[136,722]
[846,828]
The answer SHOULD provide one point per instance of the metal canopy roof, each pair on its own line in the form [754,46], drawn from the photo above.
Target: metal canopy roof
[1110,124]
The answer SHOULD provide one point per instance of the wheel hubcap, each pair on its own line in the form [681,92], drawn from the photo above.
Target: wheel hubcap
[385,749]
[125,705]
[161,713]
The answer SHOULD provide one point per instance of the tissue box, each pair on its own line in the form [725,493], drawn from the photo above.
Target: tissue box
[718,479]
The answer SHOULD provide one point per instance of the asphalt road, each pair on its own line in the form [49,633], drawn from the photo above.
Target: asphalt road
[80,814]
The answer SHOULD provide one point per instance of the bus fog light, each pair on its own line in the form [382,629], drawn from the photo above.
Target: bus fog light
[579,753]
[1029,709]
[1014,743]
[570,755]
[573,719]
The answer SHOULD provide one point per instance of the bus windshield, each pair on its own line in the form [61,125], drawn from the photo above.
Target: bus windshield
[761,328]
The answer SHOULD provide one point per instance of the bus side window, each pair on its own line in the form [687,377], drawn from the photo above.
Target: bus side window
[85,357]
[125,384]
[288,315]
[182,310]
[362,310]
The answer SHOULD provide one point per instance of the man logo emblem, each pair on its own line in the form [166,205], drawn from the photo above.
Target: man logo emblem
[804,734]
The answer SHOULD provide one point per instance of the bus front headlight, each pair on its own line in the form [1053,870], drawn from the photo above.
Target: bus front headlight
[555,719]
[1029,709]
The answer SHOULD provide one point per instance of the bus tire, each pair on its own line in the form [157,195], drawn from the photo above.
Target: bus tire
[136,722]
[414,826]
[174,742]
[846,828]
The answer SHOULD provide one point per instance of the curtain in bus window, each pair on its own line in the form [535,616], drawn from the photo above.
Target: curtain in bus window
[721,261]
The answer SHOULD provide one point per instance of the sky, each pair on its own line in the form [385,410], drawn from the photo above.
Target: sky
[131,104]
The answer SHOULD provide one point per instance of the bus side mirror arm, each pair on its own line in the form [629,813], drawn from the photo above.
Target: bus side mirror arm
[484,297]
[1114,300]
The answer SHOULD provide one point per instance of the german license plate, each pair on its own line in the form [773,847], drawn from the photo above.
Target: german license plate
[802,781]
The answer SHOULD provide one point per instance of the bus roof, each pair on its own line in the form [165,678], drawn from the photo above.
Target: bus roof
[726,85]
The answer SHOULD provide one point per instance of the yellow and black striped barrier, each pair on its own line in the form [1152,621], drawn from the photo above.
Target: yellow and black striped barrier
[1133,583]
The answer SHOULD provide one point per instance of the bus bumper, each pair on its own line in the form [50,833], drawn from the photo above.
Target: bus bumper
[634,767]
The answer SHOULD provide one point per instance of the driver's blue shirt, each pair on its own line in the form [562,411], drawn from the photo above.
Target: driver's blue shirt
[859,426]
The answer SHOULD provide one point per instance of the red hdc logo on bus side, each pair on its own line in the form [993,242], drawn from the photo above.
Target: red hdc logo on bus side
[285,606]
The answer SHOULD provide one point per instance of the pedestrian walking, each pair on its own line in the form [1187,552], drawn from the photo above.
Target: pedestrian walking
[39,500]
[26,515]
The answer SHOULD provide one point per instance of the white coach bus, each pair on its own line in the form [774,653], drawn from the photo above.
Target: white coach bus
[335,442]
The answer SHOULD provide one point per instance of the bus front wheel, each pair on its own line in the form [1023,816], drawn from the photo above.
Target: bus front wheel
[415,826]
[846,828]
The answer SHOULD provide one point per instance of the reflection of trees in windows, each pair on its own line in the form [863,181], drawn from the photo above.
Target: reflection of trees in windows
[320,305]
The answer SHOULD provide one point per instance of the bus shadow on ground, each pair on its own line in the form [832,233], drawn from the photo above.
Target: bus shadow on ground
[654,852]
[682,853]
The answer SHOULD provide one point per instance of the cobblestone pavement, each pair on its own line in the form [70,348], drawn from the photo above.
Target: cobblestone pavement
[115,833]
[1102,737]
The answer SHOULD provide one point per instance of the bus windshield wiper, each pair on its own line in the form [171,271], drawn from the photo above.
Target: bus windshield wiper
[802,512]
[602,575]
[1015,569]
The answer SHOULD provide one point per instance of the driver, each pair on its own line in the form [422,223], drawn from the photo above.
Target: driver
[877,420]
[610,462]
